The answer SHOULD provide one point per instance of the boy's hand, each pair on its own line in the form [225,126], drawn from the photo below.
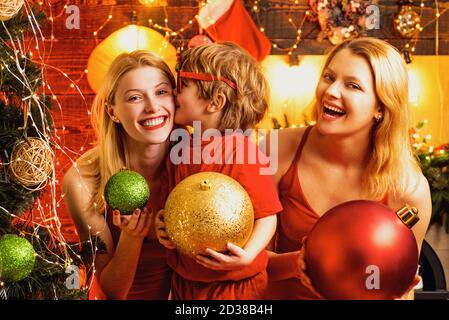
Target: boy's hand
[136,225]
[235,258]
[161,233]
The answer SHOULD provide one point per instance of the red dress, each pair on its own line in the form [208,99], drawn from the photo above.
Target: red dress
[153,275]
[295,221]
[192,281]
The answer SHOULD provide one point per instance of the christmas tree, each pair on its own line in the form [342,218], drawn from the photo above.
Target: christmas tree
[35,260]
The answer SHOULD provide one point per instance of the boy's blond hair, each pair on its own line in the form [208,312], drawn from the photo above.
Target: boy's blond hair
[247,104]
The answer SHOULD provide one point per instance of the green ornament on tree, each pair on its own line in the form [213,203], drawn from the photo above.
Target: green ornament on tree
[17,257]
[126,191]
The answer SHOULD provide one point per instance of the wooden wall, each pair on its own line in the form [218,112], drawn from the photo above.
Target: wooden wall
[70,50]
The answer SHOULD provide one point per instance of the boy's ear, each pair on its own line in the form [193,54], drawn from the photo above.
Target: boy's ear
[217,104]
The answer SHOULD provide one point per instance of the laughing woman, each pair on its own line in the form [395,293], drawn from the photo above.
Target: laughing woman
[358,149]
[133,116]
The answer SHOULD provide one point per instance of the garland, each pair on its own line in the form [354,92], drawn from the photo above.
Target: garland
[339,19]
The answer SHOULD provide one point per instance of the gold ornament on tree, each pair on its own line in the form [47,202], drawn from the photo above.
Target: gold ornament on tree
[9,8]
[407,21]
[208,210]
[31,163]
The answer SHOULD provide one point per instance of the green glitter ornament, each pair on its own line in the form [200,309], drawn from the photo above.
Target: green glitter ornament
[17,257]
[126,191]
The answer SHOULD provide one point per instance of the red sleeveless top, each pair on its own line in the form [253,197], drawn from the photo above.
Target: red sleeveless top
[153,275]
[295,221]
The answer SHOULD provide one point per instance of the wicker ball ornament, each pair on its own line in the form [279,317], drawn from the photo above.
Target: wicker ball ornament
[208,210]
[9,8]
[31,163]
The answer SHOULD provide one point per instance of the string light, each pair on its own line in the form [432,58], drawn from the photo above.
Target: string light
[44,215]
[298,29]
[438,14]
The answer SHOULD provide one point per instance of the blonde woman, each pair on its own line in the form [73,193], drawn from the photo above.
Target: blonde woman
[358,149]
[133,115]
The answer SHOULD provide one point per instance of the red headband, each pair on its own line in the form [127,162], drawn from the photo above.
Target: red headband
[198,76]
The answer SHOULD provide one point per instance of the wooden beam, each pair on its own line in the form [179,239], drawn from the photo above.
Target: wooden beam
[273,16]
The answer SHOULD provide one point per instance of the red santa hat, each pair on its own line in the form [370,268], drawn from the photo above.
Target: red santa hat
[228,20]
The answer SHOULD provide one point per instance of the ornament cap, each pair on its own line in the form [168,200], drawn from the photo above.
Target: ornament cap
[408,215]
[205,185]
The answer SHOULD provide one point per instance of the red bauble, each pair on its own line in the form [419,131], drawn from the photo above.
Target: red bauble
[198,40]
[361,250]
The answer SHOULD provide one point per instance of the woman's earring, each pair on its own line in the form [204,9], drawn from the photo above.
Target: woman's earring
[378,117]
[115,119]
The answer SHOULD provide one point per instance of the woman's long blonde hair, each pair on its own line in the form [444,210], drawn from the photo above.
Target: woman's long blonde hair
[391,162]
[109,155]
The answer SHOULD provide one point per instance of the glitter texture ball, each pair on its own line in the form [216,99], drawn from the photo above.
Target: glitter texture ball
[126,191]
[208,210]
[17,257]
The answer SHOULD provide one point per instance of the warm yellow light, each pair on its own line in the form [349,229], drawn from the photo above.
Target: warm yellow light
[413,87]
[154,3]
[127,39]
[296,81]
[292,87]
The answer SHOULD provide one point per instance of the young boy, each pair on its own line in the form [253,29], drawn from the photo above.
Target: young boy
[221,86]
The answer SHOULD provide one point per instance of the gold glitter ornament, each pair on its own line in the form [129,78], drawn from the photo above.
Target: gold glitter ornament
[208,210]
